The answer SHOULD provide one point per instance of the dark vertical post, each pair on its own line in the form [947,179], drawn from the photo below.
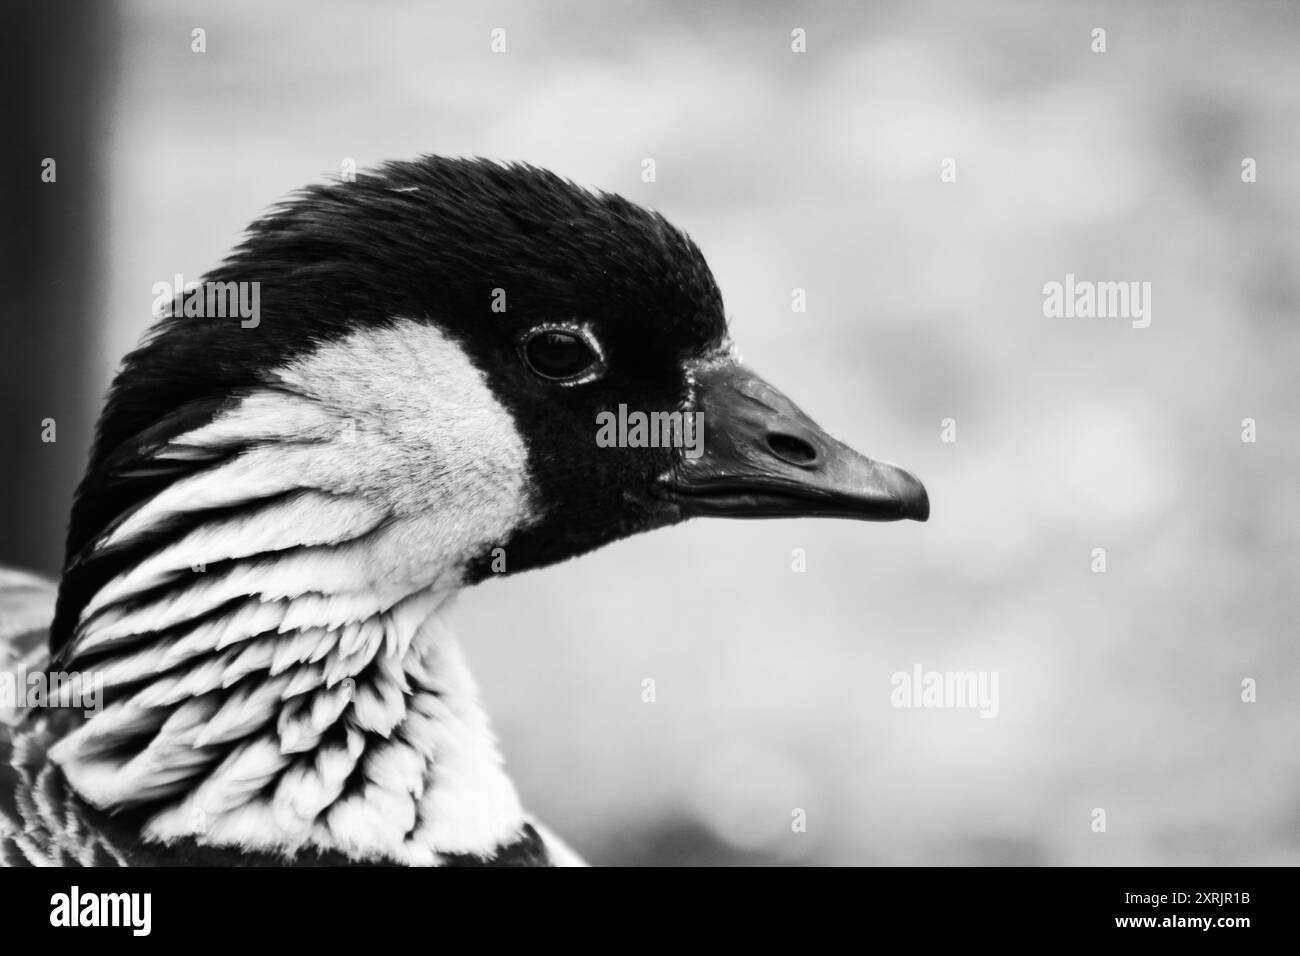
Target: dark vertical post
[56,73]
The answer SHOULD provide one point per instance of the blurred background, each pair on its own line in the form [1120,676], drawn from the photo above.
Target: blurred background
[818,171]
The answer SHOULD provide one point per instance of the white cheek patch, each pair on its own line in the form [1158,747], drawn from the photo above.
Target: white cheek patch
[398,416]
[381,460]
[424,425]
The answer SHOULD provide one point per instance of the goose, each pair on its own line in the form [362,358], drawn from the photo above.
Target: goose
[248,658]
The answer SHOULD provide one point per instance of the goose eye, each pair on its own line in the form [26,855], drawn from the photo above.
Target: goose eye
[561,356]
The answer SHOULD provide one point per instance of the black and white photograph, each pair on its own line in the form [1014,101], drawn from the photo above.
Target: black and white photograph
[651,434]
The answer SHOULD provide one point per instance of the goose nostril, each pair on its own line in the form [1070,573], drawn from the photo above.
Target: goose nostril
[792,450]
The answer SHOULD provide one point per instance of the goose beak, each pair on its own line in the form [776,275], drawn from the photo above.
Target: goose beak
[762,457]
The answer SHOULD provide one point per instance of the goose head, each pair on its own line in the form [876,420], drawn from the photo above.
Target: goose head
[457,369]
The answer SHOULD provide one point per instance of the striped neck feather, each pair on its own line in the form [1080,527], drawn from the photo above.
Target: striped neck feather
[280,670]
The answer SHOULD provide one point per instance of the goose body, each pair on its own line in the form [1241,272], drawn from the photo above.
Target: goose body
[277,516]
